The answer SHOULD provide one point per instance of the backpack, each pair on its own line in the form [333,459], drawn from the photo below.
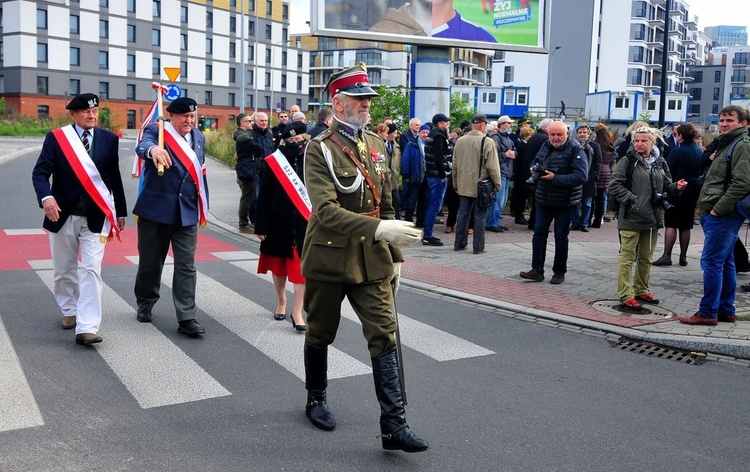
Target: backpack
[743,205]
[612,204]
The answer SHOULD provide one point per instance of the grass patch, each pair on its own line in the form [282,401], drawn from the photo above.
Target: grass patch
[220,145]
[28,126]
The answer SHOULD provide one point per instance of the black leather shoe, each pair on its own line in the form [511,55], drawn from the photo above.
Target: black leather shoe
[320,415]
[191,328]
[522,221]
[144,315]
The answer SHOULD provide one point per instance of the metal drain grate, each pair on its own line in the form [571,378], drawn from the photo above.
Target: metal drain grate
[653,350]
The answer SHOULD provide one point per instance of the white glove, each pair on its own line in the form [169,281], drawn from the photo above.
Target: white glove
[398,232]
[396,280]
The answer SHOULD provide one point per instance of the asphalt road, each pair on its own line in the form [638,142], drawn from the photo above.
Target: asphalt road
[488,392]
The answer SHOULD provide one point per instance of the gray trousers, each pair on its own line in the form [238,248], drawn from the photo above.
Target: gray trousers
[153,245]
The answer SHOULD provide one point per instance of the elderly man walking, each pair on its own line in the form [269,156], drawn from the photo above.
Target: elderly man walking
[474,159]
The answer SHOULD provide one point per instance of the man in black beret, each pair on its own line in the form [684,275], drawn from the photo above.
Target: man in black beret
[83,208]
[170,207]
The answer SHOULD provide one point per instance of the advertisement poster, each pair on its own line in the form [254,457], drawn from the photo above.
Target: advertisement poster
[513,25]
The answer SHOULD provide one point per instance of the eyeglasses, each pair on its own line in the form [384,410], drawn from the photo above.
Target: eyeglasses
[246,121]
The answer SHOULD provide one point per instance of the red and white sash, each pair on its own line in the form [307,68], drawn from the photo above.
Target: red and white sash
[180,148]
[290,182]
[87,173]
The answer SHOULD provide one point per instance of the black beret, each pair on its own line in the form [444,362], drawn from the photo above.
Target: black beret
[83,101]
[391,128]
[293,129]
[182,105]
[438,118]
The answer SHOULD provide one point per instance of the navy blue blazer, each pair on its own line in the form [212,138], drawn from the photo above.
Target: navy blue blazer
[172,198]
[67,189]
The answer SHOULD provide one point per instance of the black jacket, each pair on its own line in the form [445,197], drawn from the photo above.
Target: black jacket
[317,129]
[438,154]
[594,154]
[570,167]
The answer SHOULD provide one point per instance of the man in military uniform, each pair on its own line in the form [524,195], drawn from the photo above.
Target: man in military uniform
[352,249]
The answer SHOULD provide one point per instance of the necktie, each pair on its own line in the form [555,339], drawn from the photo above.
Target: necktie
[85,141]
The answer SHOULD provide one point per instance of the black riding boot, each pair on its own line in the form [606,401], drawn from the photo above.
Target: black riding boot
[316,381]
[395,433]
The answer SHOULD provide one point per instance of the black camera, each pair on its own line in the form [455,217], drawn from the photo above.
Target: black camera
[661,199]
[537,171]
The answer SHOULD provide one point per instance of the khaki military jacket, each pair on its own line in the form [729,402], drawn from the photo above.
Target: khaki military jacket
[340,241]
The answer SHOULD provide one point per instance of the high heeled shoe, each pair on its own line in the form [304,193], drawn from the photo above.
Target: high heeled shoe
[683,261]
[298,327]
[279,316]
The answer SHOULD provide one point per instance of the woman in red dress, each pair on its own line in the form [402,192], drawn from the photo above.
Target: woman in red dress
[281,228]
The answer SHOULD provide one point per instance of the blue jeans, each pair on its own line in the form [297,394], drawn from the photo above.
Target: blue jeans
[465,208]
[581,219]
[544,217]
[409,195]
[437,191]
[717,263]
[495,212]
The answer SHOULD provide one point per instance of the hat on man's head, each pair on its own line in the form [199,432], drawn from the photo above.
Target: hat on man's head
[391,128]
[293,129]
[438,118]
[182,105]
[465,124]
[352,81]
[479,118]
[83,101]
[504,119]
[425,127]
[298,116]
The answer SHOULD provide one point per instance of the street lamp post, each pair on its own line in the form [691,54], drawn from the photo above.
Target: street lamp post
[549,79]
[242,56]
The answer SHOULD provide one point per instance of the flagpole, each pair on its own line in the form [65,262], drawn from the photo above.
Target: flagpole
[160,121]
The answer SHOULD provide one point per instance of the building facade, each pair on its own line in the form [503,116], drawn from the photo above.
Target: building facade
[727,35]
[55,49]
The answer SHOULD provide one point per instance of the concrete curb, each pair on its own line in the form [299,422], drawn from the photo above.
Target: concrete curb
[16,154]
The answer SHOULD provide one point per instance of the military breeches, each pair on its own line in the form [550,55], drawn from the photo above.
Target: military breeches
[370,301]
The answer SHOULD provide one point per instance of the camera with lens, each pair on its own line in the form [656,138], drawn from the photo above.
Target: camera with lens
[537,170]
[661,199]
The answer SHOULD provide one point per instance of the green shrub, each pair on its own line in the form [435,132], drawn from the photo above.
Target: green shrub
[220,144]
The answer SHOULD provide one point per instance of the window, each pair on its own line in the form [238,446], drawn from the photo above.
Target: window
[183,66]
[695,108]
[42,111]
[131,62]
[638,32]
[103,60]
[103,90]
[268,31]
[155,37]
[715,109]
[651,105]
[131,119]
[635,76]
[233,24]
[299,84]
[299,61]
[717,93]
[251,28]
[508,75]
[250,78]
[268,102]
[636,53]
[251,101]
[209,100]
[232,50]
[41,52]
[251,53]
[696,93]
[284,11]
[698,77]
[672,104]
[74,87]
[285,34]
[209,46]
[104,29]
[75,56]
[131,33]
[283,58]
[268,56]
[41,19]
[209,19]
[639,9]
[131,6]
[42,85]
[184,92]
[283,103]
[230,99]
[510,97]
[251,7]
[155,66]
[268,79]
[183,14]
[75,24]
[717,76]
[183,41]
[130,91]
[269,7]
[489,97]
[622,102]
[522,97]
[283,82]
[104,3]
[156,9]
[738,76]
[209,72]
[738,92]
[232,3]
[740,58]
[232,75]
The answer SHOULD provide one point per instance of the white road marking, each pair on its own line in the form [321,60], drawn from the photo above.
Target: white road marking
[25,232]
[152,368]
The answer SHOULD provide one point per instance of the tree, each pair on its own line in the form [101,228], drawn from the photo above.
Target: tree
[393,103]
[460,109]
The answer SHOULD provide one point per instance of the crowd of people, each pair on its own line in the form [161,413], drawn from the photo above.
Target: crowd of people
[334,202]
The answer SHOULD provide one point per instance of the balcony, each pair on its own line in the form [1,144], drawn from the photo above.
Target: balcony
[739,79]
[692,23]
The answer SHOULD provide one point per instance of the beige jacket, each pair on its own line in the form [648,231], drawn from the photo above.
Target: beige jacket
[466,172]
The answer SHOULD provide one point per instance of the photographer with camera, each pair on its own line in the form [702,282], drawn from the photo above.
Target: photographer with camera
[560,169]
[640,184]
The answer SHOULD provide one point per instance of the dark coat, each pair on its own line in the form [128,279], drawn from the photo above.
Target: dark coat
[243,146]
[605,171]
[685,163]
[172,198]
[317,129]
[277,217]
[595,165]
[412,163]
[67,189]
[570,166]
[438,154]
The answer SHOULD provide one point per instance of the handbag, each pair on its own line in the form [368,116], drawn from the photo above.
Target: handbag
[485,188]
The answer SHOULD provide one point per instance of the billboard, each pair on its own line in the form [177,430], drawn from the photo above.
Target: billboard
[508,25]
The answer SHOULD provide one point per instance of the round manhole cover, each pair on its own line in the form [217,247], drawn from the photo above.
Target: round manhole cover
[650,312]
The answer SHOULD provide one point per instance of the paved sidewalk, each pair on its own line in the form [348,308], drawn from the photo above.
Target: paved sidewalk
[492,279]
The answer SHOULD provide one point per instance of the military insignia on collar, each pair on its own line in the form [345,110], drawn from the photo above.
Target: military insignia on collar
[348,133]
